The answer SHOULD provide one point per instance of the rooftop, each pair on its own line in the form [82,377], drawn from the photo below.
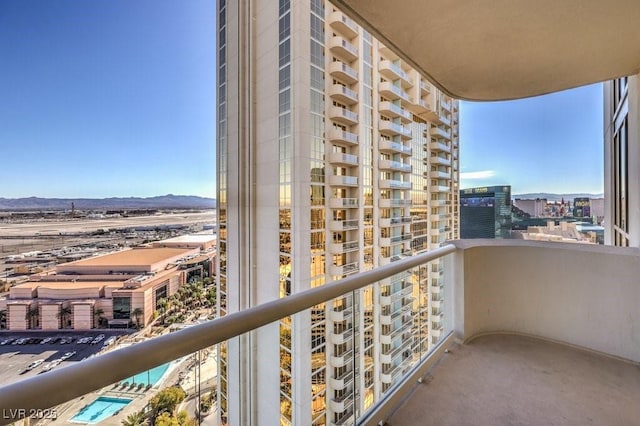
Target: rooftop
[133,257]
[70,284]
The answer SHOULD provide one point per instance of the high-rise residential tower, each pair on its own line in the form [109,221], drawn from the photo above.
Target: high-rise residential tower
[621,150]
[334,157]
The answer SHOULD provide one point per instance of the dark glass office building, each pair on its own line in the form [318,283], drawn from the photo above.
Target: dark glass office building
[485,212]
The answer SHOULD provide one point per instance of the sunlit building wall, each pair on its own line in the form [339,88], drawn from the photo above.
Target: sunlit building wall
[334,157]
[621,150]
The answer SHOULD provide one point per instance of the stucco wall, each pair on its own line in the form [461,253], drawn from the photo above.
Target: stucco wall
[582,295]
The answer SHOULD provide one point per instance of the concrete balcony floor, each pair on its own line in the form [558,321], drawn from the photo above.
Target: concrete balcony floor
[516,380]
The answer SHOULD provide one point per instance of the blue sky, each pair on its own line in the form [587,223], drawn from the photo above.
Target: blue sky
[551,143]
[108,98]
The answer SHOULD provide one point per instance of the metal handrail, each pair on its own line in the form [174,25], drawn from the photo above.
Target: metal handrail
[64,384]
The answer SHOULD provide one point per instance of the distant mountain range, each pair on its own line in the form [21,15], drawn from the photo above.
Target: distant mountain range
[555,197]
[168,201]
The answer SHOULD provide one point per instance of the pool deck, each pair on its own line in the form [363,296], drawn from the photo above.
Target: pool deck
[177,374]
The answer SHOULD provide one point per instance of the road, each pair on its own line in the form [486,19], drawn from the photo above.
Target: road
[90,225]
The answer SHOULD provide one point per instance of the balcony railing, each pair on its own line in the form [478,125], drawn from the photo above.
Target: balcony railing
[491,286]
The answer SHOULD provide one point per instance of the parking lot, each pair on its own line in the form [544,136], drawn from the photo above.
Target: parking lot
[55,349]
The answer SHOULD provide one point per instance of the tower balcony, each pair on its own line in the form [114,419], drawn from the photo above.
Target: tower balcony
[343,24]
[425,88]
[394,184]
[343,203]
[343,380]
[439,188]
[440,133]
[340,180]
[343,137]
[439,147]
[398,166]
[338,248]
[340,47]
[340,315]
[343,116]
[443,161]
[344,270]
[394,111]
[391,71]
[343,94]
[389,90]
[394,202]
[343,225]
[343,72]
[391,147]
[393,129]
[342,159]
[386,222]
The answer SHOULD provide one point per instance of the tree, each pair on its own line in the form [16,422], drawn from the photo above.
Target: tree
[166,401]
[3,319]
[162,307]
[63,315]
[180,419]
[137,313]
[33,316]
[135,419]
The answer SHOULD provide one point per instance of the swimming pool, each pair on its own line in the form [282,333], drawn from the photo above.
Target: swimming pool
[100,409]
[149,377]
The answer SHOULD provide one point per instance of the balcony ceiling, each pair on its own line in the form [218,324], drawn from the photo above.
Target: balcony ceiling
[507,49]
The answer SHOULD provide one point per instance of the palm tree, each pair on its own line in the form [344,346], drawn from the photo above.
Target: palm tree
[135,419]
[98,313]
[63,315]
[137,313]
[33,315]
[3,319]
[162,307]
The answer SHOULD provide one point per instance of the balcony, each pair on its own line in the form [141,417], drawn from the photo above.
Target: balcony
[344,270]
[395,166]
[343,24]
[389,90]
[437,174]
[343,49]
[340,314]
[343,203]
[335,180]
[393,129]
[446,105]
[439,188]
[394,111]
[394,184]
[343,380]
[425,88]
[343,225]
[343,116]
[391,147]
[343,94]
[340,338]
[572,354]
[394,221]
[439,147]
[392,72]
[440,133]
[338,248]
[394,202]
[343,72]
[342,159]
[343,137]
[439,160]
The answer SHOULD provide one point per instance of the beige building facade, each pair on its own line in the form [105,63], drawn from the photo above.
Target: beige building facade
[334,157]
[113,290]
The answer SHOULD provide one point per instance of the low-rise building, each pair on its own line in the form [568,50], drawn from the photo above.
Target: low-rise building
[112,290]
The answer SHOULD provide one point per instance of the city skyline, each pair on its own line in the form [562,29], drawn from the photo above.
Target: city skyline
[120,101]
